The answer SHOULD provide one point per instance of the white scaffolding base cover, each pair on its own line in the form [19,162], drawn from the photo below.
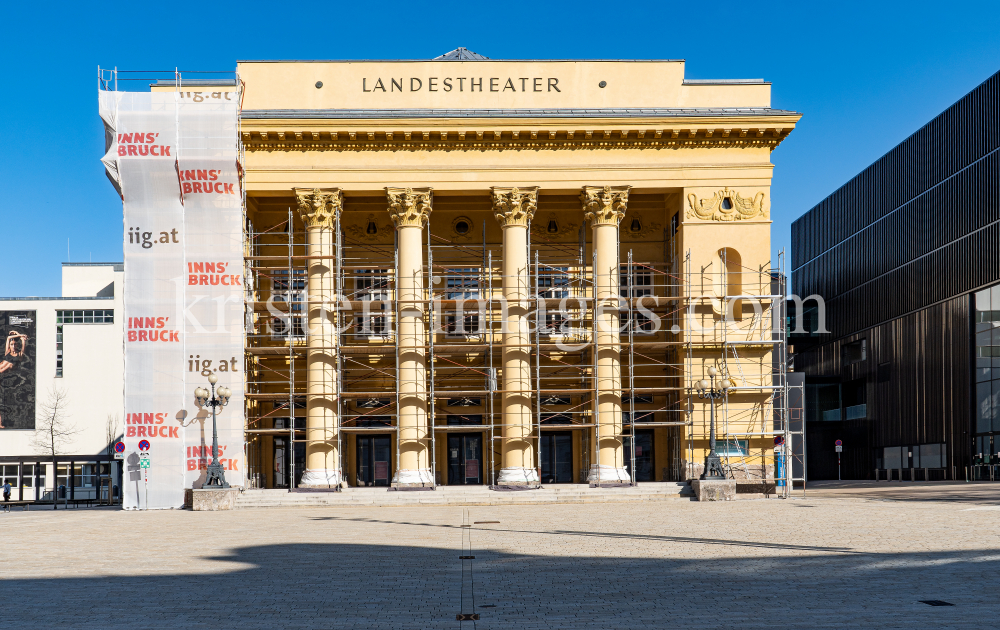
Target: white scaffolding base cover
[419,476]
[608,474]
[320,477]
[517,476]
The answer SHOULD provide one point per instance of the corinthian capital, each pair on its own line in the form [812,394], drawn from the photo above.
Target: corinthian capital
[319,207]
[409,206]
[514,206]
[604,205]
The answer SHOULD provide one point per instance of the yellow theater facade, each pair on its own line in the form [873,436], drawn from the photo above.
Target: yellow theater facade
[467,271]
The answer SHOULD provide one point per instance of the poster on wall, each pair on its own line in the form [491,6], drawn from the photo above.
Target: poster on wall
[173,158]
[17,370]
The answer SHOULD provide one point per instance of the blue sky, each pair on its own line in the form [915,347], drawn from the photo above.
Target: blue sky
[865,76]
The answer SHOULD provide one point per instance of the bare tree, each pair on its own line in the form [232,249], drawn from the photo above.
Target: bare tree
[113,431]
[53,431]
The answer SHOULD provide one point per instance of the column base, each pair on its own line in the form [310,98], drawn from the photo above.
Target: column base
[320,478]
[517,478]
[413,479]
[608,477]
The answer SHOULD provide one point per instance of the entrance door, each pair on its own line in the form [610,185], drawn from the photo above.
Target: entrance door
[557,457]
[281,463]
[643,455]
[374,456]
[465,456]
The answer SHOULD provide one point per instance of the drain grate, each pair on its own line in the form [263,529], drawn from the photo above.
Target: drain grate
[488,606]
[936,602]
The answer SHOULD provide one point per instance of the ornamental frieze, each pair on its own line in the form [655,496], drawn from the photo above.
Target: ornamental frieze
[726,205]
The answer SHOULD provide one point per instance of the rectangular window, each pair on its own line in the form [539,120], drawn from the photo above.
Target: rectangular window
[467,325]
[642,285]
[855,352]
[8,474]
[372,285]
[986,353]
[462,284]
[553,283]
[290,289]
[29,476]
[733,448]
[464,419]
[87,316]
[59,351]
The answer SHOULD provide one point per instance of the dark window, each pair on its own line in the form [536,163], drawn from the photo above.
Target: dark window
[854,352]
[464,419]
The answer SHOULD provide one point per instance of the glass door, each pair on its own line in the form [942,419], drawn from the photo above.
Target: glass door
[643,456]
[374,459]
[465,454]
[557,457]
[281,467]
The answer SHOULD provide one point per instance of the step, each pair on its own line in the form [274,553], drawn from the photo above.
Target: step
[464,495]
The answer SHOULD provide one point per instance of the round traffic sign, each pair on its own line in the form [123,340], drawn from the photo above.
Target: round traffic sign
[119,447]
[143,445]
[838,443]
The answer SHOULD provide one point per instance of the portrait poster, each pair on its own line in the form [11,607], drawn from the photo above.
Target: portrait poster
[17,370]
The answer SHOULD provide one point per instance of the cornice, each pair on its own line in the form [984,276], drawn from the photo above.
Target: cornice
[260,138]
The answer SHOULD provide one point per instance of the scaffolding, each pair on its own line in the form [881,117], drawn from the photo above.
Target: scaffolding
[675,320]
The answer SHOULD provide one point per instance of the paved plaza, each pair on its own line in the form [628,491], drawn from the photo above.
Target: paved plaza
[860,555]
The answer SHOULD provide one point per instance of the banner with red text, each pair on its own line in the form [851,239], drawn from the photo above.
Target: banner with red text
[173,158]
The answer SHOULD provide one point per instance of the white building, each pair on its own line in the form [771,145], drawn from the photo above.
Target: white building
[70,345]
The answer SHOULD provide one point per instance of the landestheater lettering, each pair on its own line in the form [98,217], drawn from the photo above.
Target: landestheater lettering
[462,84]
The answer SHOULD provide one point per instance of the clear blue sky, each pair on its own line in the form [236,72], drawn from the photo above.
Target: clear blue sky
[864,74]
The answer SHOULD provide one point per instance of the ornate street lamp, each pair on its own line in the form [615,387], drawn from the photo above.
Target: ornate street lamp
[706,389]
[202,397]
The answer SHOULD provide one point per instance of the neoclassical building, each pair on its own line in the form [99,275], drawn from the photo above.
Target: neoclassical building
[509,273]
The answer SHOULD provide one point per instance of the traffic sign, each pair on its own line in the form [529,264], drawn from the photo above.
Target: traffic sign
[143,445]
[144,463]
[119,450]
[839,443]
[838,446]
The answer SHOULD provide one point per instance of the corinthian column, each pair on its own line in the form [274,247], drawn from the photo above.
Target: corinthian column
[514,208]
[605,207]
[410,208]
[319,209]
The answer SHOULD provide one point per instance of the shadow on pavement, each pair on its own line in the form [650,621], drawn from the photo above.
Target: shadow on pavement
[379,586]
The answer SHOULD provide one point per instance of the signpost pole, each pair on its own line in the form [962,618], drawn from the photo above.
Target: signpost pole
[839,446]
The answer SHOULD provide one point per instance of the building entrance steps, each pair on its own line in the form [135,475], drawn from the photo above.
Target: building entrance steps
[466,495]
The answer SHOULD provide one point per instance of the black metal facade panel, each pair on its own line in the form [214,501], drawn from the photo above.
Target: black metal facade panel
[896,198]
[926,398]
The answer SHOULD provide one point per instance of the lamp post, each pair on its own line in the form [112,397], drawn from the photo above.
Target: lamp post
[707,390]
[216,475]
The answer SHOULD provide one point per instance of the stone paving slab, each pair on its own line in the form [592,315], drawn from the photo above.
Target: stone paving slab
[813,562]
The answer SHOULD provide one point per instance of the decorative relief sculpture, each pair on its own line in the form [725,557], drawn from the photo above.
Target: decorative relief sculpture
[604,205]
[637,227]
[409,206]
[370,231]
[550,228]
[319,207]
[726,205]
[514,206]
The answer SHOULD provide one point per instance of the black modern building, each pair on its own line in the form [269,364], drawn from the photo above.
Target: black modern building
[906,256]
